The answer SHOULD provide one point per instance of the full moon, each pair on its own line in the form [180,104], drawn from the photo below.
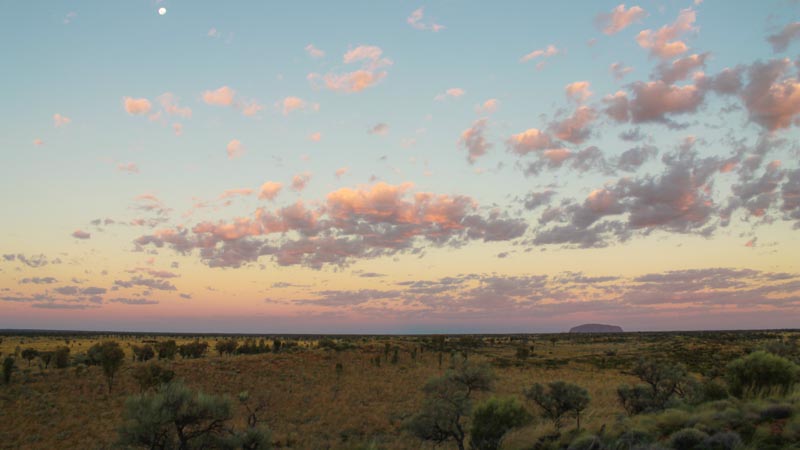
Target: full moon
[162,11]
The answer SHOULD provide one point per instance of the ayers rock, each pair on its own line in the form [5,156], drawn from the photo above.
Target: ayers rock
[595,328]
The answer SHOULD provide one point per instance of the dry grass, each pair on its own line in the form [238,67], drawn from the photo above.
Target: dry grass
[309,405]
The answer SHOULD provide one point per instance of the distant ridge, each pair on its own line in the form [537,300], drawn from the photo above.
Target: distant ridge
[595,328]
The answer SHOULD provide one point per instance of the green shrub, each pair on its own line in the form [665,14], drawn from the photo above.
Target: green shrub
[8,368]
[61,357]
[152,375]
[109,355]
[688,439]
[586,442]
[493,419]
[761,373]
[559,400]
[725,440]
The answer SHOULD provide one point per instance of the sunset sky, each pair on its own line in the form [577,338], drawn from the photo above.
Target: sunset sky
[400,167]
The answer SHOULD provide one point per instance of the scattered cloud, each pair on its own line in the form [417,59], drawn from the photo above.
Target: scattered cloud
[235,149]
[452,92]
[780,41]
[664,43]
[416,20]
[314,52]
[269,190]
[619,18]
[474,141]
[137,106]
[80,234]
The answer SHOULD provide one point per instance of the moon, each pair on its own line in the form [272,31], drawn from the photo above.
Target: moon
[162,11]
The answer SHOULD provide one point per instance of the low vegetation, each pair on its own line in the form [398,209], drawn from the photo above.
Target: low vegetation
[710,390]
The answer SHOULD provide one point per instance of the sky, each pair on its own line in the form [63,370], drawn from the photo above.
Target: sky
[400,167]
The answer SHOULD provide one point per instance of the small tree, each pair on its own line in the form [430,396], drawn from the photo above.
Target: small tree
[448,402]
[152,375]
[8,367]
[29,354]
[761,373]
[46,358]
[558,400]
[175,417]
[109,355]
[61,357]
[143,353]
[662,382]
[493,419]
[228,346]
[167,349]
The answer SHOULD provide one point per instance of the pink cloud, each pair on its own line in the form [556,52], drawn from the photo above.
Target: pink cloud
[557,155]
[780,41]
[371,59]
[128,167]
[772,99]
[653,101]
[351,81]
[551,50]
[38,142]
[663,43]
[618,70]
[578,91]
[290,104]
[452,92]
[60,121]
[316,137]
[170,104]
[416,22]
[300,181]
[474,141]
[380,129]
[230,193]
[619,18]
[269,190]
[177,128]
[488,107]
[219,97]
[234,149]
[251,109]
[529,141]
[340,172]
[80,234]
[575,128]
[135,106]
[363,52]
[314,52]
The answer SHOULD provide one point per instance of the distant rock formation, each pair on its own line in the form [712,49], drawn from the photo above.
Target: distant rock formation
[595,328]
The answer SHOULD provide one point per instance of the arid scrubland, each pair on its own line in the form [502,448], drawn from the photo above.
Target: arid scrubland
[363,391]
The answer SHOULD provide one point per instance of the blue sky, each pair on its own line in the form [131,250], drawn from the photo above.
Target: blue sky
[384,184]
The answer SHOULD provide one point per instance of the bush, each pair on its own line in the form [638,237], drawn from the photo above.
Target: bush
[493,419]
[167,349]
[143,353]
[688,439]
[760,373]
[8,368]
[61,357]
[560,399]
[588,442]
[175,417]
[447,402]
[29,354]
[726,440]
[776,412]
[109,355]
[226,347]
[152,375]
[194,349]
